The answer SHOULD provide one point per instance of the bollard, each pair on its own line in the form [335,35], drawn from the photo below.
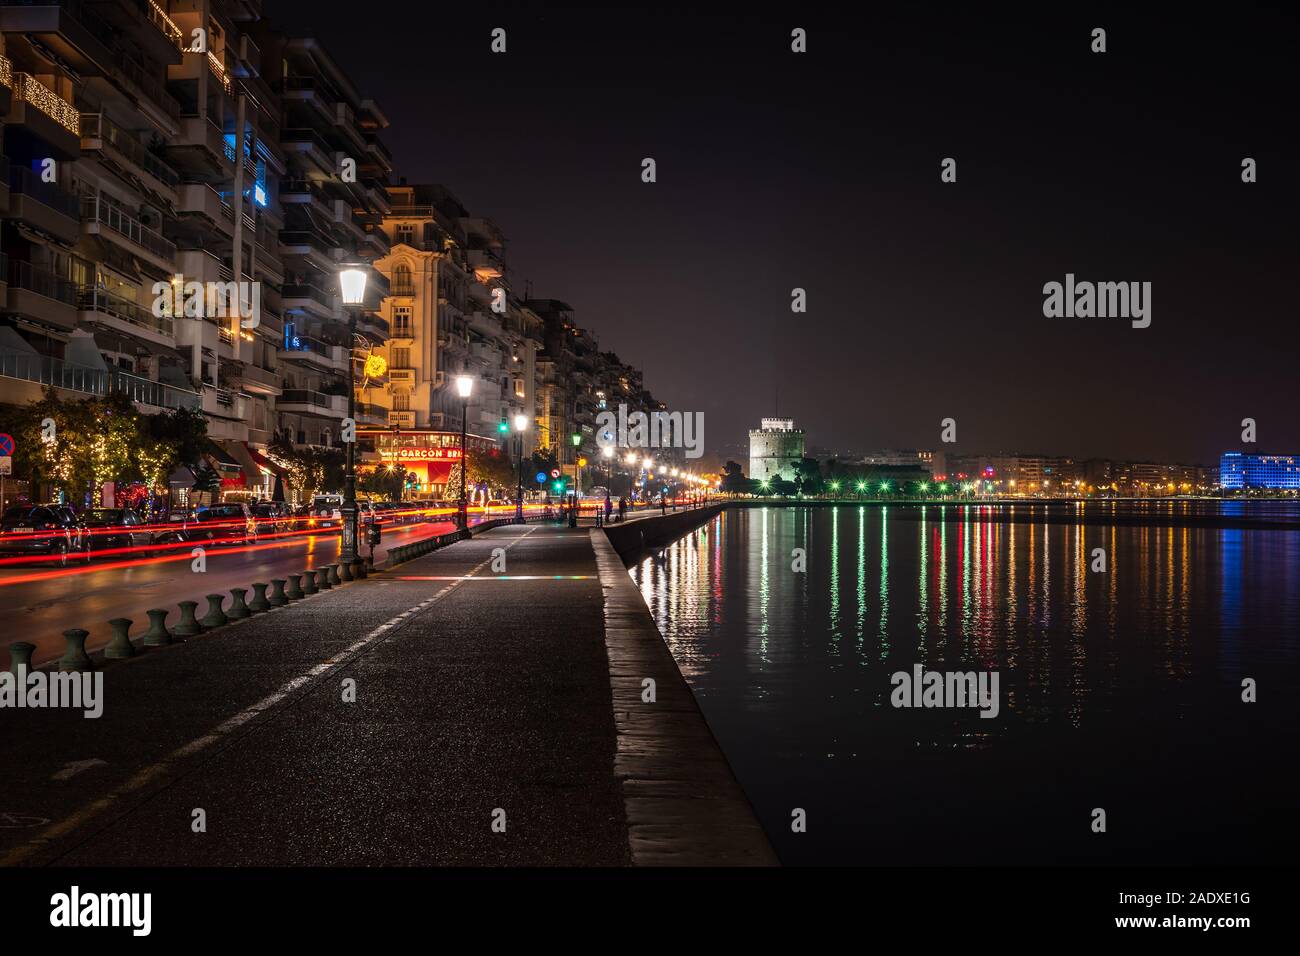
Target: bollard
[20,655]
[259,602]
[157,635]
[345,571]
[277,598]
[323,578]
[359,569]
[309,582]
[119,645]
[189,626]
[333,570]
[294,590]
[215,616]
[238,609]
[75,657]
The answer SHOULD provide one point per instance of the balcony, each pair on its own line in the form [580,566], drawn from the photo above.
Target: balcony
[258,380]
[97,212]
[49,207]
[305,350]
[70,29]
[200,151]
[49,117]
[305,401]
[98,131]
[368,413]
[310,145]
[132,76]
[217,67]
[371,325]
[159,19]
[403,419]
[401,376]
[46,371]
[312,300]
[123,315]
[321,250]
[40,294]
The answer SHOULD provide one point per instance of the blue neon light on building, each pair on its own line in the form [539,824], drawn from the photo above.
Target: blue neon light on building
[1237,470]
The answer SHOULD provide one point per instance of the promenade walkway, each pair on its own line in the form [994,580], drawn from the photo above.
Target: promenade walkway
[454,710]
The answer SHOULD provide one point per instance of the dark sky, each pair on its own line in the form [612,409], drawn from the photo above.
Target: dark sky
[821,170]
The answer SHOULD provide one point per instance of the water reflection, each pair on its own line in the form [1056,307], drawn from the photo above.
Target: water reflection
[1119,684]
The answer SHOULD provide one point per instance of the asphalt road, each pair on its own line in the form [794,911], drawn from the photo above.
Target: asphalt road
[478,689]
[88,596]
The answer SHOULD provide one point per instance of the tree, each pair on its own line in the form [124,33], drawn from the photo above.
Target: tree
[493,467]
[384,482]
[808,477]
[309,469]
[734,481]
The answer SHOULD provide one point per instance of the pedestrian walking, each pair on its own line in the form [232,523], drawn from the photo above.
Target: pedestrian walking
[609,507]
[622,508]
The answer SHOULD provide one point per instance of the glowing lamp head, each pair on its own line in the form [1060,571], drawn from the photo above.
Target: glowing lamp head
[607,451]
[631,458]
[648,463]
[352,285]
[577,440]
[521,422]
[464,385]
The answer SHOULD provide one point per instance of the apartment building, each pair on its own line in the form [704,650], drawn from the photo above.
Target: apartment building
[332,201]
[123,150]
[452,313]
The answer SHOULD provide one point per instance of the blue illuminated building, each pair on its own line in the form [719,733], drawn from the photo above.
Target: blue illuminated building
[1237,470]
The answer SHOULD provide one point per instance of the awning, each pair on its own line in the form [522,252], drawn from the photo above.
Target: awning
[221,458]
[265,465]
[252,474]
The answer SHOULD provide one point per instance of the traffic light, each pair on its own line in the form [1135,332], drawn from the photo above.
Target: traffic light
[503,427]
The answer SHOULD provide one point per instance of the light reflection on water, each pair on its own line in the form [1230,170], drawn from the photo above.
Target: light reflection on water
[1118,689]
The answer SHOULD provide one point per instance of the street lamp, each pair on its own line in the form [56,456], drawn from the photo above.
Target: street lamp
[352,286]
[464,385]
[573,498]
[521,423]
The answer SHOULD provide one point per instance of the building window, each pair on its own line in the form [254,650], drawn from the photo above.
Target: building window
[401,357]
[402,283]
[401,402]
[402,321]
[406,233]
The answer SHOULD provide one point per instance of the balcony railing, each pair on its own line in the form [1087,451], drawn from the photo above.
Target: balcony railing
[303,396]
[48,371]
[24,275]
[305,343]
[164,23]
[99,126]
[151,87]
[308,292]
[6,72]
[402,288]
[219,71]
[22,180]
[31,90]
[95,299]
[96,209]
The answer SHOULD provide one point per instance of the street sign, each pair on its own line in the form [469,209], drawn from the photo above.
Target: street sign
[541,477]
[6,445]
[555,473]
[6,465]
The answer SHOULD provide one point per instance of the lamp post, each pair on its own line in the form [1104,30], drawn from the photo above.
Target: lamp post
[464,386]
[352,286]
[521,423]
[573,499]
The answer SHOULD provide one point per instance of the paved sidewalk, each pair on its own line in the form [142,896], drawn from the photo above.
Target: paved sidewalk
[471,696]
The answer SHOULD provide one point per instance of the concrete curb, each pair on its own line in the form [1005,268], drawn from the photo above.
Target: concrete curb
[683,804]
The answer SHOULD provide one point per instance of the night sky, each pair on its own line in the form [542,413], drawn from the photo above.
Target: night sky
[821,170]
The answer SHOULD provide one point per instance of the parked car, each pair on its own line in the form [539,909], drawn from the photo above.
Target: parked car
[108,528]
[230,523]
[51,530]
[273,516]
